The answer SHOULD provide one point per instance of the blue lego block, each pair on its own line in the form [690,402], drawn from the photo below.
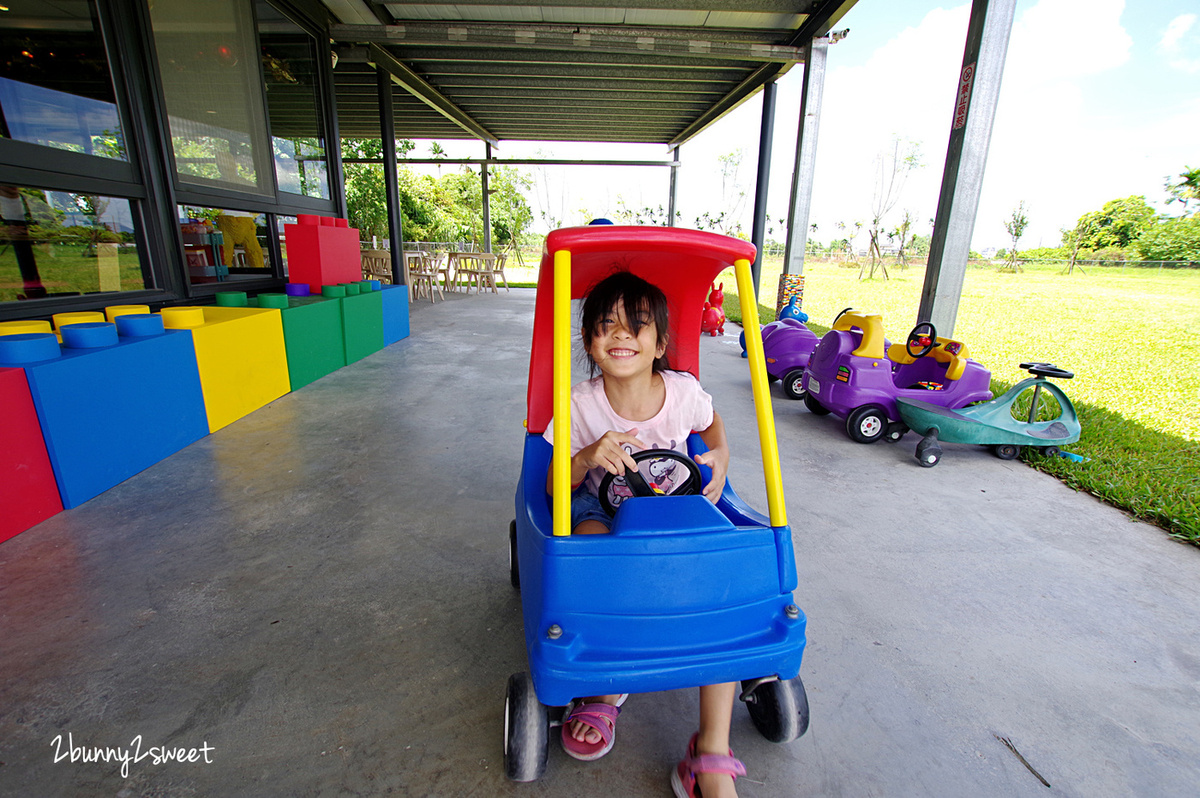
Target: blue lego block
[110,410]
[395,313]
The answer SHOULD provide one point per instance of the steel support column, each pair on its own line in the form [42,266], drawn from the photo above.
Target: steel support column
[391,176]
[966,156]
[487,204]
[673,192]
[766,135]
[800,201]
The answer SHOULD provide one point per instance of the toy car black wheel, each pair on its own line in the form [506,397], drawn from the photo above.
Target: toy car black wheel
[526,730]
[1050,451]
[929,451]
[793,384]
[814,405]
[1006,451]
[866,424]
[514,566]
[779,709]
[895,431]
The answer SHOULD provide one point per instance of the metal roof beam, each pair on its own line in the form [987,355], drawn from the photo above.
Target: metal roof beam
[723,44]
[817,24]
[417,86]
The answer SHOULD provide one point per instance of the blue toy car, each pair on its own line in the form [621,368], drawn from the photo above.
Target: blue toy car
[639,629]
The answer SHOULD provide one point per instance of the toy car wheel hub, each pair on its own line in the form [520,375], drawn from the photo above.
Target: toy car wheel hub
[870,426]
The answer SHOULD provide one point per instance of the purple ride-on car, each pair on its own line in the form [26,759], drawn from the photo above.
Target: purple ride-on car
[852,376]
[787,346]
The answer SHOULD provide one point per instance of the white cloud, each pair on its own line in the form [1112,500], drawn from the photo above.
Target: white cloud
[1176,30]
[1178,42]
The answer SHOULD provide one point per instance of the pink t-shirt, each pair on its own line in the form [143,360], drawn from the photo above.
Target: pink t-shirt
[687,408]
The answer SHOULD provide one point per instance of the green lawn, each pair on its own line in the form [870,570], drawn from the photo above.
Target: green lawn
[1127,335]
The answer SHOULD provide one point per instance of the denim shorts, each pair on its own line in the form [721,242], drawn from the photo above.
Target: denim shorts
[585,506]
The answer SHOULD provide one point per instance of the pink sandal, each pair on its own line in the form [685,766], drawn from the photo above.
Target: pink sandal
[683,777]
[597,715]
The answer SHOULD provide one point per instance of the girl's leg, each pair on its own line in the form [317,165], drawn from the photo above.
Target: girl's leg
[716,714]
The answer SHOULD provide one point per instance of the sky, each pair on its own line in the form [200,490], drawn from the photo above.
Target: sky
[1100,99]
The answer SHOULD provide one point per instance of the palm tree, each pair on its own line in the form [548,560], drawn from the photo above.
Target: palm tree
[1187,189]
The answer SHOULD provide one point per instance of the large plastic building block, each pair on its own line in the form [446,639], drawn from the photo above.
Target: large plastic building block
[25,326]
[395,313]
[362,323]
[312,333]
[111,406]
[322,251]
[241,357]
[28,492]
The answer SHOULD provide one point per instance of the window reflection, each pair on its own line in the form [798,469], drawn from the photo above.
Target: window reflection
[55,85]
[57,243]
[293,104]
[213,92]
[221,245]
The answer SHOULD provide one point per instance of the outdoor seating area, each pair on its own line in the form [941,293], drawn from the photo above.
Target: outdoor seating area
[433,273]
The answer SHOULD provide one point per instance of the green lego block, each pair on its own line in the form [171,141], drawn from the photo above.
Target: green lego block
[316,343]
[362,324]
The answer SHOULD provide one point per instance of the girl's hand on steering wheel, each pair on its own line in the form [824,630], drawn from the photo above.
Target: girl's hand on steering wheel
[718,460]
[609,452]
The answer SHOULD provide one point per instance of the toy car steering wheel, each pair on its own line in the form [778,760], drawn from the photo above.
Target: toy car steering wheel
[1039,369]
[662,466]
[927,342]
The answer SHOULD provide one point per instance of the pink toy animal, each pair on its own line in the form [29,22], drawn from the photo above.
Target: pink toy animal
[713,320]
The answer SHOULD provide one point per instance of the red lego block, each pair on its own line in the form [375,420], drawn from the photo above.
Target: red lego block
[28,492]
[321,251]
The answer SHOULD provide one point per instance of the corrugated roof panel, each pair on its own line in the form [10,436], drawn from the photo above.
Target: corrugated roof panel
[742,19]
[666,18]
[651,71]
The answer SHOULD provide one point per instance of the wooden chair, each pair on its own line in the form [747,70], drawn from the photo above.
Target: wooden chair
[424,277]
[377,265]
[490,266]
[467,267]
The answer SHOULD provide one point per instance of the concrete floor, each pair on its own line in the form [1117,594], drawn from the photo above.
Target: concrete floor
[319,593]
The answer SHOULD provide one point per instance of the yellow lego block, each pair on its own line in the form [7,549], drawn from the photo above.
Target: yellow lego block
[242,360]
[21,327]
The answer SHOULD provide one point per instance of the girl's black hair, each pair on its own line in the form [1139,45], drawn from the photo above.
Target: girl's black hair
[637,297]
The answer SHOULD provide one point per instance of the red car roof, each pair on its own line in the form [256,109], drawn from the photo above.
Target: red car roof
[683,263]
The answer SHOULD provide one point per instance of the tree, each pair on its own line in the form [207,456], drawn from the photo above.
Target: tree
[1174,239]
[900,234]
[1187,190]
[1016,228]
[892,173]
[1118,224]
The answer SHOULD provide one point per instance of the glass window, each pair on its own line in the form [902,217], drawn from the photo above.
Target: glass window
[207,57]
[56,243]
[222,245]
[293,104]
[55,85]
